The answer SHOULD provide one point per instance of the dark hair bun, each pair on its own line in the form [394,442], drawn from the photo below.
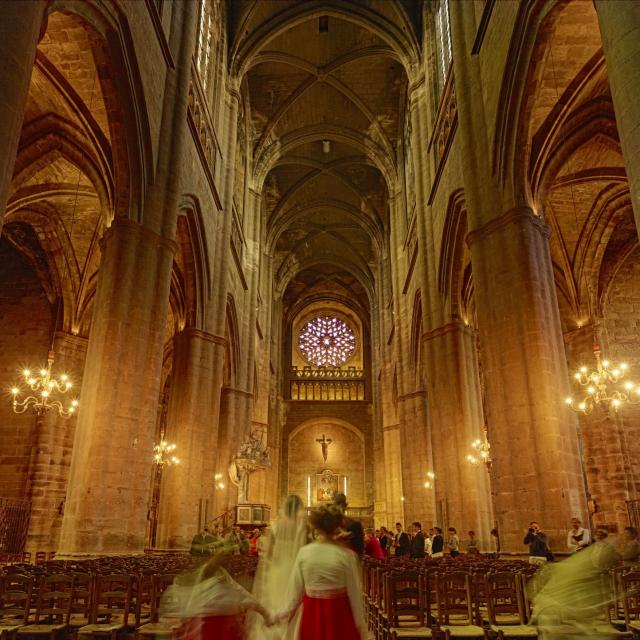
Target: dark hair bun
[326,519]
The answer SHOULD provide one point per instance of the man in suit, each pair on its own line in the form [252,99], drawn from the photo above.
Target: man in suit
[202,543]
[401,541]
[417,542]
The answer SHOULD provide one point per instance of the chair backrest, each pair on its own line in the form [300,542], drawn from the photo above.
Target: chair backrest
[404,593]
[54,599]
[41,557]
[112,598]
[454,598]
[82,594]
[159,584]
[15,597]
[630,587]
[504,603]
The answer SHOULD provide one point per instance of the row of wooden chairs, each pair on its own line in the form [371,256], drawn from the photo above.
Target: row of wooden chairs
[85,605]
[26,557]
[485,600]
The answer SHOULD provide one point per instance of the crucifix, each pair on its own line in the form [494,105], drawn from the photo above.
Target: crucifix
[324,443]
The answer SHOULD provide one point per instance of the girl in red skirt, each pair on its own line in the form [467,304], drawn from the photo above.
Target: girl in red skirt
[326,583]
[211,603]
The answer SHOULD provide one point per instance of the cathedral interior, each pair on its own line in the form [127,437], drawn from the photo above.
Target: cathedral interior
[255,248]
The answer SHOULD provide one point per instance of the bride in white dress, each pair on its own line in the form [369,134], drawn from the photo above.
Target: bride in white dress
[289,534]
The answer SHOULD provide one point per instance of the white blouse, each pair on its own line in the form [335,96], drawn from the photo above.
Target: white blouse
[322,568]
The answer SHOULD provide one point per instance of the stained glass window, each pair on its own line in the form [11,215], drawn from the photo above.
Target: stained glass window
[443,31]
[326,341]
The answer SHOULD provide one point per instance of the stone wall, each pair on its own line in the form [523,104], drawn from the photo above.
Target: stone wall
[26,318]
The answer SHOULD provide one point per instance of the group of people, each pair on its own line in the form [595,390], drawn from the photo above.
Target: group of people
[579,538]
[417,543]
[212,539]
[308,582]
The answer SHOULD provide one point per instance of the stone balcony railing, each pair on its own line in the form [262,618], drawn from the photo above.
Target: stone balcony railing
[327,384]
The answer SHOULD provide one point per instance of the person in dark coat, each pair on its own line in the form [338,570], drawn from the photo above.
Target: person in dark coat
[202,542]
[401,541]
[353,535]
[417,542]
[437,544]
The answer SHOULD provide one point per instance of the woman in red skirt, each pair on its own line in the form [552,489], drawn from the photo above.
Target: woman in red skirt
[326,583]
[211,603]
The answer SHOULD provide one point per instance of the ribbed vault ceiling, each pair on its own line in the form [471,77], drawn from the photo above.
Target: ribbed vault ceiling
[326,85]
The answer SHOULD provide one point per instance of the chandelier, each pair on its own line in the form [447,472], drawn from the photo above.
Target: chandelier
[482,448]
[163,454]
[429,483]
[47,392]
[603,386]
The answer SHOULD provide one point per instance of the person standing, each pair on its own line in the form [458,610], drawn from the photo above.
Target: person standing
[353,535]
[372,546]
[577,538]
[630,546]
[472,544]
[453,543]
[401,541]
[538,546]
[325,582]
[201,544]
[417,542]
[437,544]
[384,541]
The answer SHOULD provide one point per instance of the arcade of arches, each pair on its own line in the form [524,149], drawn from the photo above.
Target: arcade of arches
[350,233]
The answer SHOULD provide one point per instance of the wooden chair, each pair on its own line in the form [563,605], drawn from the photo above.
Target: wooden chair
[159,627]
[81,602]
[53,609]
[15,604]
[505,607]
[41,557]
[455,608]
[111,607]
[630,587]
[403,606]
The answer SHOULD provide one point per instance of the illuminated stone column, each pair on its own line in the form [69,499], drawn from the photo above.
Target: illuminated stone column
[20,26]
[112,452]
[192,426]
[456,421]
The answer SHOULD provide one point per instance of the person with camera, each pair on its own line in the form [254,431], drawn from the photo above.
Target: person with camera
[538,546]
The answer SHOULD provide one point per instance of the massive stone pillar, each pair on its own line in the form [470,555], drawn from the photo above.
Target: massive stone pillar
[620,28]
[52,453]
[20,26]
[192,426]
[532,432]
[456,421]
[111,467]
[536,468]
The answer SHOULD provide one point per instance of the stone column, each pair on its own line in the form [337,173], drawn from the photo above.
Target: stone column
[620,29]
[536,468]
[456,421]
[532,432]
[52,456]
[192,426]
[112,453]
[20,27]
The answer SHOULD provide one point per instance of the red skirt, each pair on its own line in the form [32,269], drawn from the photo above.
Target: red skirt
[327,619]
[215,628]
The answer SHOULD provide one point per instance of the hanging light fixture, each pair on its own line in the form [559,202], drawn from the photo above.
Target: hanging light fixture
[482,448]
[430,478]
[47,392]
[603,386]
[163,454]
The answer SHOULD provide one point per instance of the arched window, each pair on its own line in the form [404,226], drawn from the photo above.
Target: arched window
[443,35]
[209,32]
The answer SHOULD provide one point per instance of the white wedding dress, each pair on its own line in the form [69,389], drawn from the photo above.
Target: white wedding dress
[287,537]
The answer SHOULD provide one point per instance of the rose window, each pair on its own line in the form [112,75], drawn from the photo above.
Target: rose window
[326,341]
